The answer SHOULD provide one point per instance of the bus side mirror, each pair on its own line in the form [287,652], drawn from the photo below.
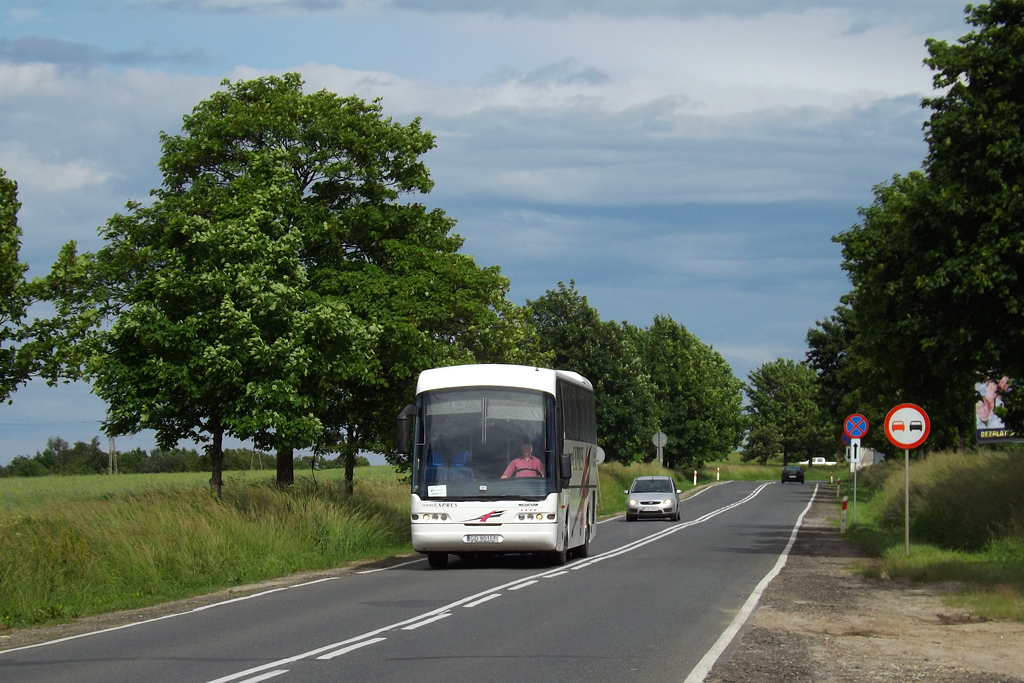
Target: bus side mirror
[402,427]
[565,465]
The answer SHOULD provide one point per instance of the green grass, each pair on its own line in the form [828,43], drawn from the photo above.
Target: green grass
[967,526]
[17,493]
[78,548]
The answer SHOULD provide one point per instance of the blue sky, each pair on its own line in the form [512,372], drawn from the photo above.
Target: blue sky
[677,157]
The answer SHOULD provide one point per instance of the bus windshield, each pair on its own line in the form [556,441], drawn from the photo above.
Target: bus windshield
[477,443]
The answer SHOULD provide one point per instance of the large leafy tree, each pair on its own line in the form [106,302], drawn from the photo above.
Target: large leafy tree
[213,327]
[323,176]
[604,352]
[975,167]
[14,361]
[936,263]
[698,397]
[784,409]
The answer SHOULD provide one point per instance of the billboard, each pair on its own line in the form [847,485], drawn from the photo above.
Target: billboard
[989,427]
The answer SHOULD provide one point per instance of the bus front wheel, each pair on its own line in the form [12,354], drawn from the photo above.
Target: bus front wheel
[437,560]
[584,550]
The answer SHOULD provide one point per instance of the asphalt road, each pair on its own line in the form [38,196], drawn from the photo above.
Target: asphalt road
[646,606]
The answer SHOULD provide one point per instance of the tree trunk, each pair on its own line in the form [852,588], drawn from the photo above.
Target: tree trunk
[216,452]
[351,448]
[285,466]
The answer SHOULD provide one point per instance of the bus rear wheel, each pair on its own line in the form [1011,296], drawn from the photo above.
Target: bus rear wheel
[437,560]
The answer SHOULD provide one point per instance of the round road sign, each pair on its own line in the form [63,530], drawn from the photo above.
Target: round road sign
[907,426]
[856,426]
[660,439]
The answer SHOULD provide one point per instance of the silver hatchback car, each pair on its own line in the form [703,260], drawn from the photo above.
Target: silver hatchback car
[652,497]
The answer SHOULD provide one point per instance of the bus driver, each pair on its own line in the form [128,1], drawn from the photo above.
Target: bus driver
[526,465]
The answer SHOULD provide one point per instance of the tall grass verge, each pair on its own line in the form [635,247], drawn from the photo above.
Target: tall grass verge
[80,556]
[967,526]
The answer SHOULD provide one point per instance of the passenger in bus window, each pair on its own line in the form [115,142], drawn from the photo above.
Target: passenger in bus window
[526,465]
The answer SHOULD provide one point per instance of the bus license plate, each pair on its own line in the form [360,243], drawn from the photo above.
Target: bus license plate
[482,538]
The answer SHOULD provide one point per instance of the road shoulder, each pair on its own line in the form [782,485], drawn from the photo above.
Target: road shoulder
[820,621]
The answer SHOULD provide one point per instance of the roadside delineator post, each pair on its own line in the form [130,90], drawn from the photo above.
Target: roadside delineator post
[718,475]
[831,477]
[842,521]
[695,477]
[839,486]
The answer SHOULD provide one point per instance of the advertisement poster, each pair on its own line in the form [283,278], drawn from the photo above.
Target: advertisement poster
[989,427]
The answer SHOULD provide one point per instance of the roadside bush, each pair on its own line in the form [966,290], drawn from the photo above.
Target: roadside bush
[959,501]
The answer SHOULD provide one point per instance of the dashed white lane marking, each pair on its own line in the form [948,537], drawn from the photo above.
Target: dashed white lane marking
[704,666]
[523,585]
[561,573]
[394,566]
[355,646]
[436,617]
[263,677]
[482,600]
[579,566]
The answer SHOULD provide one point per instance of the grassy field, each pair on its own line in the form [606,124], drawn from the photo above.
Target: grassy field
[19,493]
[967,526]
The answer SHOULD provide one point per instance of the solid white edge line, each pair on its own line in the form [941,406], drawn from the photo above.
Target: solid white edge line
[431,620]
[561,573]
[166,616]
[244,597]
[482,600]
[394,566]
[269,674]
[310,583]
[704,666]
[345,650]
[523,585]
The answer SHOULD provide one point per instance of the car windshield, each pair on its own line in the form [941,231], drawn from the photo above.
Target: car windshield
[652,486]
[472,443]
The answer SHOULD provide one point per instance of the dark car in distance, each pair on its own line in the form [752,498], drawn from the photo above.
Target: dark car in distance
[792,473]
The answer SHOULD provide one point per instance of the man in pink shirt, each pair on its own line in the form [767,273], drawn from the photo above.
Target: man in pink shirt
[526,465]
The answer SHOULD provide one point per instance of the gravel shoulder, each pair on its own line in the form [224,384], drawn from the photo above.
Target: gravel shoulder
[820,621]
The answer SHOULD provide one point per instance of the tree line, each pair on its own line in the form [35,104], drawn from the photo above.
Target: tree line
[285,285]
[60,457]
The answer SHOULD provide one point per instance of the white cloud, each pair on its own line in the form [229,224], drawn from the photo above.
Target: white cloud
[34,174]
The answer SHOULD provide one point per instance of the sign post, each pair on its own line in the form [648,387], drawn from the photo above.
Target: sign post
[660,439]
[855,427]
[907,426]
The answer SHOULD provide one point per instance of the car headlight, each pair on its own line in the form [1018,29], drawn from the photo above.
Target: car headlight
[632,501]
[668,501]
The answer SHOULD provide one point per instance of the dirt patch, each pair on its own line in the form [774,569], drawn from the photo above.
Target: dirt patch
[819,621]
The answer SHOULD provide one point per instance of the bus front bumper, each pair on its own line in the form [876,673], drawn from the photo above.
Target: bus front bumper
[458,538]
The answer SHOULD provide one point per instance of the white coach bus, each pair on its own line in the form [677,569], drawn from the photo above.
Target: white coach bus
[504,460]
